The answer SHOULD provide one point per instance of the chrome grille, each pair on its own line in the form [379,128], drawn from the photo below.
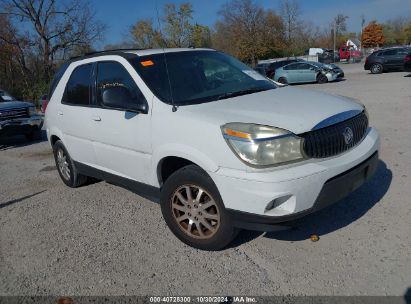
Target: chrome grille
[14,113]
[335,139]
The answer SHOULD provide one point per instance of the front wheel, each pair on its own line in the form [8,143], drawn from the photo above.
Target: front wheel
[34,134]
[321,78]
[193,210]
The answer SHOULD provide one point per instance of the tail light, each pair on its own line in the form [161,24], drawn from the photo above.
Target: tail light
[407,58]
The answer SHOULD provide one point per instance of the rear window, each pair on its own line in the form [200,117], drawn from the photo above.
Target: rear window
[57,78]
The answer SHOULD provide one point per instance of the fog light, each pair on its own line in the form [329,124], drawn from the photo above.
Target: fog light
[277,202]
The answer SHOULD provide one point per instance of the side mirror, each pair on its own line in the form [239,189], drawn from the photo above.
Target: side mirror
[120,97]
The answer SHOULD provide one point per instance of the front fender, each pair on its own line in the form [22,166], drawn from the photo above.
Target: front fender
[183,151]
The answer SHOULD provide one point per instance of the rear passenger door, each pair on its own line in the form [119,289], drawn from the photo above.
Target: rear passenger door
[75,115]
[391,59]
[307,72]
[291,73]
[122,136]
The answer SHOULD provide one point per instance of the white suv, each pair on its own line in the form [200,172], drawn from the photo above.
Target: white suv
[220,146]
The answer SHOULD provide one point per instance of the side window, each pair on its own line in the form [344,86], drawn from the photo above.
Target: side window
[390,53]
[304,66]
[79,85]
[116,88]
[292,66]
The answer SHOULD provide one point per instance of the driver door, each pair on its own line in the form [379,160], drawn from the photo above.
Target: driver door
[122,136]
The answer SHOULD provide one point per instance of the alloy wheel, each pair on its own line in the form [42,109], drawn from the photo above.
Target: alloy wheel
[63,165]
[195,212]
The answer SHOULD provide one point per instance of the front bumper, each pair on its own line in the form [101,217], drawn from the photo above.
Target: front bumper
[20,125]
[333,190]
[283,194]
[331,76]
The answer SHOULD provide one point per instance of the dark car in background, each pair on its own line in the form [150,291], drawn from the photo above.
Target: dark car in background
[268,69]
[388,59]
[407,62]
[19,117]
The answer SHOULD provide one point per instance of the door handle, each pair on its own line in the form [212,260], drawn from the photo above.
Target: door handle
[96,118]
[60,113]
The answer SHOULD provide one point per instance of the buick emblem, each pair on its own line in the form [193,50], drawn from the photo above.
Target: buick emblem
[348,135]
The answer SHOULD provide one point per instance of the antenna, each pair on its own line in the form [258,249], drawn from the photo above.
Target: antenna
[174,107]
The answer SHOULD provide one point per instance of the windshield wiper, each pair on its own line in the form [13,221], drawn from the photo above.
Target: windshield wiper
[240,93]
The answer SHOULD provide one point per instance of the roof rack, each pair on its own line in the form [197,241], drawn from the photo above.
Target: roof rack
[96,53]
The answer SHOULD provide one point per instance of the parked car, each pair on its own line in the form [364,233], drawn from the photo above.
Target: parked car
[388,59]
[407,62]
[220,146]
[43,103]
[304,72]
[18,117]
[268,69]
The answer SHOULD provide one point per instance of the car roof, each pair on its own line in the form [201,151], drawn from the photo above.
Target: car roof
[136,52]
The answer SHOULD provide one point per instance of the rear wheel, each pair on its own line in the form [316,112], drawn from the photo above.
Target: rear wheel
[34,134]
[376,68]
[193,210]
[66,168]
[321,78]
[283,80]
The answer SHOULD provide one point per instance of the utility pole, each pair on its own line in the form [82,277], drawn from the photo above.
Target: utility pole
[334,39]
[362,28]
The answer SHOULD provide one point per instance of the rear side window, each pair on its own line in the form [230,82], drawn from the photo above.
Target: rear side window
[79,86]
[292,66]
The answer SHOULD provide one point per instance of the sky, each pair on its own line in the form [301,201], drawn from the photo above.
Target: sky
[121,14]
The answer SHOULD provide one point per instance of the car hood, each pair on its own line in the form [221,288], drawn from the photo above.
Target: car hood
[14,104]
[296,110]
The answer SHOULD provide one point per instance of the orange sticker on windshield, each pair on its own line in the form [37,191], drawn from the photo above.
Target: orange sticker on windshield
[147,63]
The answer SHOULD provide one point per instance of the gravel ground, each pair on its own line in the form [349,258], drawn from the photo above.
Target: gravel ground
[104,240]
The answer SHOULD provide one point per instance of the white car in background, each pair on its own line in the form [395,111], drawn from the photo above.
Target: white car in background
[220,146]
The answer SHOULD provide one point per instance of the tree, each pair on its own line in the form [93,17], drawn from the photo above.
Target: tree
[406,34]
[373,35]
[247,31]
[340,22]
[200,36]
[54,27]
[145,36]
[290,12]
[177,24]
[175,30]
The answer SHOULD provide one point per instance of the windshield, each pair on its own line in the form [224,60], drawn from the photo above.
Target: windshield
[198,76]
[6,96]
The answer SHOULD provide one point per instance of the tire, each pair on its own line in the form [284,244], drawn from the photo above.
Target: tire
[321,78]
[202,223]
[283,80]
[66,168]
[376,68]
[34,134]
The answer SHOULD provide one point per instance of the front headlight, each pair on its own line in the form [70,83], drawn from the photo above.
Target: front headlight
[32,111]
[262,146]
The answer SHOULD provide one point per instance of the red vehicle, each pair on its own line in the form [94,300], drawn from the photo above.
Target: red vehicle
[349,54]
[44,101]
